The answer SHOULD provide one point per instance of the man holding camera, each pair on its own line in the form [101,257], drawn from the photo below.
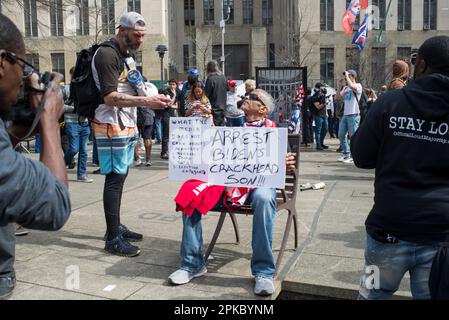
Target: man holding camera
[349,123]
[33,194]
[320,115]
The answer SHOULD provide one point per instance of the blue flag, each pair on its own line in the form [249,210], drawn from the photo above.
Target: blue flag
[360,37]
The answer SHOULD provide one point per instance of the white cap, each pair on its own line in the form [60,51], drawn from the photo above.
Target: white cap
[133,20]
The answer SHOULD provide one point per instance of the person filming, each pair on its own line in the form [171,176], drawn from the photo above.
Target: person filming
[32,193]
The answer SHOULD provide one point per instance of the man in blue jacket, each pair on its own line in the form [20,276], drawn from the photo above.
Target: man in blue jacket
[32,193]
[405,137]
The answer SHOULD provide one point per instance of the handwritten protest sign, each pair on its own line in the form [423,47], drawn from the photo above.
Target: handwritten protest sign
[185,148]
[239,157]
[247,157]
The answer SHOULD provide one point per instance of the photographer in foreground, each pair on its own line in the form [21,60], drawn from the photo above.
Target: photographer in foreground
[32,194]
[320,115]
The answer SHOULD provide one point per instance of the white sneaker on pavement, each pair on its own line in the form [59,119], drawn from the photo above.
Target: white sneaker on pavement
[341,159]
[348,160]
[182,276]
[264,286]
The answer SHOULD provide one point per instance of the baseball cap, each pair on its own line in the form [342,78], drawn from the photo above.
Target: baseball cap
[133,20]
[193,72]
[353,73]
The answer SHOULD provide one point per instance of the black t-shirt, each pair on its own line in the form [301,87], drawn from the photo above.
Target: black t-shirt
[109,67]
[315,111]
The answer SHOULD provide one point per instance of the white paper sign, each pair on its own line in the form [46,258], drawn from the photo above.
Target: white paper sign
[185,148]
[247,157]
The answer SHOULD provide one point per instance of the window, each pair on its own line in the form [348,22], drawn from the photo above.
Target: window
[357,19]
[108,16]
[139,63]
[404,15]
[247,11]
[352,59]
[430,15]
[33,58]
[228,4]
[134,5]
[272,56]
[267,12]
[404,53]
[382,9]
[185,55]
[56,18]
[0,6]
[327,15]
[58,63]
[378,67]
[327,65]
[189,12]
[83,21]
[30,12]
[208,7]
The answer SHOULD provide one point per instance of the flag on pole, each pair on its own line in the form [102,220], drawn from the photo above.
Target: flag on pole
[364,4]
[350,15]
[360,37]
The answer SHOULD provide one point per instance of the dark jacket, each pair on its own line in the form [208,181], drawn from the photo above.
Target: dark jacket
[216,90]
[29,193]
[405,137]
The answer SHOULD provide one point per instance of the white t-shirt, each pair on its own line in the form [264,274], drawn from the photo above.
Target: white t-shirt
[351,104]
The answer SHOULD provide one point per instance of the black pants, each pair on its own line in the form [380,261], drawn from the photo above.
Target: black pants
[7,249]
[112,199]
[218,113]
[165,123]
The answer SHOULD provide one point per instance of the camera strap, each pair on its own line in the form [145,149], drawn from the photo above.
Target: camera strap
[36,118]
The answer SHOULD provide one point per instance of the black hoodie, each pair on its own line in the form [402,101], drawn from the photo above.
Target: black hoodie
[405,137]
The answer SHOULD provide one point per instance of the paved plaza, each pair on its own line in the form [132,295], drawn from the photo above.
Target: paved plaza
[327,264]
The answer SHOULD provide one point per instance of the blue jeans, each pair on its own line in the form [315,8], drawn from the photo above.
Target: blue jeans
[263,203]
[158,127]
[78,135]
[37,144]
[320,129]
[393,261]
[235,122]
[348,124]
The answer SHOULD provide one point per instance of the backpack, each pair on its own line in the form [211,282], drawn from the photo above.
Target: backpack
[363,104]
[83,90]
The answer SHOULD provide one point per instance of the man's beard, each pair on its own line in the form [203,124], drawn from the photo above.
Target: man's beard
[132,49]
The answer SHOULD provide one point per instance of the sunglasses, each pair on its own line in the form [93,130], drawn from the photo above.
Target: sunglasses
[255,97]
[28,68]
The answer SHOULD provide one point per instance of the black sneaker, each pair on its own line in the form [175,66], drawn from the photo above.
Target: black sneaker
[127,234]
[120,247]
[319,148]
[7,285]
[164,156]
[324,146]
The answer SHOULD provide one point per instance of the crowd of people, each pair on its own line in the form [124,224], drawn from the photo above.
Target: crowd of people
[407,229]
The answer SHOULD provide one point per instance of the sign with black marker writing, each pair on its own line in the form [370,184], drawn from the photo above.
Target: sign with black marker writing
[186,148]
[247,157]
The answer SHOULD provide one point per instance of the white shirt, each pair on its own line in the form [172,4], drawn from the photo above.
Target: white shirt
[351,104]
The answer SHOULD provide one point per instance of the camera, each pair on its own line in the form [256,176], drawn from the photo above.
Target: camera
[344,73]
[21,112]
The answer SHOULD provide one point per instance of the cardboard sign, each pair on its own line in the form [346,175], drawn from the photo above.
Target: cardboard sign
[247,157]
[185,148]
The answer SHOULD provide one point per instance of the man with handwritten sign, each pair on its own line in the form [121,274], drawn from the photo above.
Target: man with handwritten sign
[239,171]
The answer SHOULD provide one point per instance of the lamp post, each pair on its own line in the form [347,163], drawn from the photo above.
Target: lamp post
[222,26]
[161,49]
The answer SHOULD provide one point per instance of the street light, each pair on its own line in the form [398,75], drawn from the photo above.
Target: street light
[222,26]
[161,49]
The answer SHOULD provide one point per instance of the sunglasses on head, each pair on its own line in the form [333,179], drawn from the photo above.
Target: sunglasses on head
[255,97]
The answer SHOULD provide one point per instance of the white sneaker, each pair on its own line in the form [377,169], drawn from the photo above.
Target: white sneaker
[342,158]
[264,286]
[348,160]
[148,163]
[182,276]
[137,162]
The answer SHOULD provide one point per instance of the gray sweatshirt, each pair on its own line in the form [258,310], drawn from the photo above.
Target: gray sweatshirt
[29,193]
